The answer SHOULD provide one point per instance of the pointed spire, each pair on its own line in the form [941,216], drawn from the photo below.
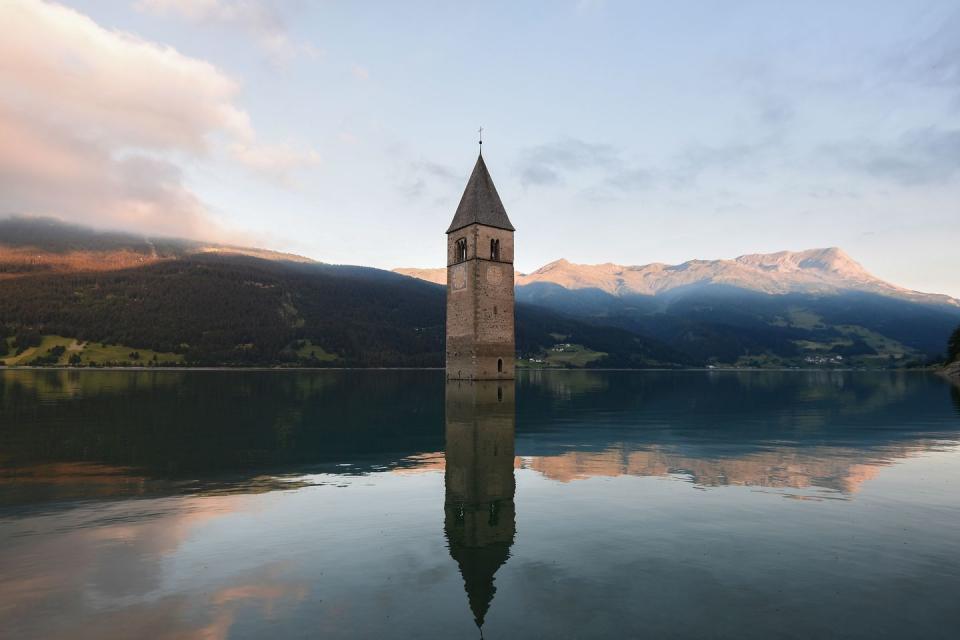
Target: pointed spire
[480,559]
[480,203]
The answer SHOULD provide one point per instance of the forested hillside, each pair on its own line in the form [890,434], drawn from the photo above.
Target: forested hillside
[217,309]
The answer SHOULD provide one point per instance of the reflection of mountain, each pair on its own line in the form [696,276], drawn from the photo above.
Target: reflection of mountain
[787,430]
[831,468]
[778,429]
[71,433]
[479,520]
[737,410]
[66,434]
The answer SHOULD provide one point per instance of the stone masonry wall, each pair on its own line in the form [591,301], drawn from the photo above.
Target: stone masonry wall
[480,306]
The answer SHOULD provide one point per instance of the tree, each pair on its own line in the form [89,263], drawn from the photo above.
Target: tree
[27,338]
[953,346]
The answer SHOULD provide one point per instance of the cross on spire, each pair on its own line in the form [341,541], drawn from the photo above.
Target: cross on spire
[480,131]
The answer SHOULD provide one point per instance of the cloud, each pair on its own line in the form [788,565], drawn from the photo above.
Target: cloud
[257,18]
[554,163]
[696,160]
[94,124]
[420,174]
[918,157]
[548,164]
[630,179]
[275,161]
[360,73]
[437,170]
[933,61]
[111,84]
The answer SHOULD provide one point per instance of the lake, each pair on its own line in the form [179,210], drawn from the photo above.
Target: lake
[571,504]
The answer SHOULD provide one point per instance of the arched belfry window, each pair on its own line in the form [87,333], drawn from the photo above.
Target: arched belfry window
[494,249]
[461,249]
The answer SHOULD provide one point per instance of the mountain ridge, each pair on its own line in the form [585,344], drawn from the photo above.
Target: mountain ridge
[821,271]
[40,244]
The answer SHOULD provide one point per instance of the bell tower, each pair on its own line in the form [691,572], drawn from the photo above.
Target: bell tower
[480,322]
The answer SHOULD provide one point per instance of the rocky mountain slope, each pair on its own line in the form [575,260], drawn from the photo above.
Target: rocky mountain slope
[815,271]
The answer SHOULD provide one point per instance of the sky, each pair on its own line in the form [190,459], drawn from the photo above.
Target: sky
[625,132]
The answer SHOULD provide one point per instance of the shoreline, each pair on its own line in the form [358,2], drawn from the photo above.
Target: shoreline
[950,372]
[941,371]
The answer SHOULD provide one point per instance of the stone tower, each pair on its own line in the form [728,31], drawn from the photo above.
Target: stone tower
[480,324]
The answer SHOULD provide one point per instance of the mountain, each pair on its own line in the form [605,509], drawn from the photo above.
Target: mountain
[788,308]
[46,245]
[436,276]
[72,294]
[69,293]
[815,271]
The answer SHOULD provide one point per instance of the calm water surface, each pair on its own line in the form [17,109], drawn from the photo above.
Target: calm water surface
[388,504]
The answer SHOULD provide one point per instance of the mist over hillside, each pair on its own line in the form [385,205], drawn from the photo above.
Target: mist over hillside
[43,245]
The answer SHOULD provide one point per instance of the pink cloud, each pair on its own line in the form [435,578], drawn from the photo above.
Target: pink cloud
[94,124]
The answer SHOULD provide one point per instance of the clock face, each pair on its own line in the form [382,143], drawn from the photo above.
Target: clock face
[494,275]
[458,277]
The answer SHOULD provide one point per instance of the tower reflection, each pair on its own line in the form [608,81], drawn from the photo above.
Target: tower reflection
[480,519]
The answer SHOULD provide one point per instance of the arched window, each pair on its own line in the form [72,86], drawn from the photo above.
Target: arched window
[461,249]
[499,365]
[494,249]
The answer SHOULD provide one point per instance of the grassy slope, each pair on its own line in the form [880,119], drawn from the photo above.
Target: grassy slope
[310,351]
[576,355]
[91,353]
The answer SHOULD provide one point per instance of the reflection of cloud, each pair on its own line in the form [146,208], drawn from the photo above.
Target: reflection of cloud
[100,569]
[192,616]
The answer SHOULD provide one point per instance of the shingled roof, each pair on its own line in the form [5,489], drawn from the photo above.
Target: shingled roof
[480,203]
